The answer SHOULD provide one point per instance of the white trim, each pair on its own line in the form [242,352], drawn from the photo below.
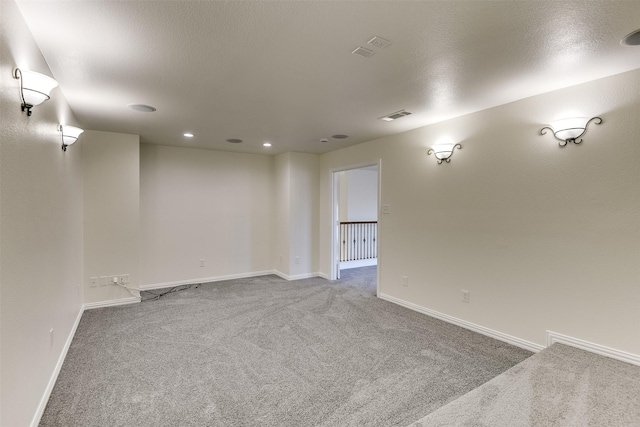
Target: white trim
[527,345]
[346,265]
[324,276]
[56,371]
[554,337]
[296,276]
[206,280]
[110,303]
[335,269]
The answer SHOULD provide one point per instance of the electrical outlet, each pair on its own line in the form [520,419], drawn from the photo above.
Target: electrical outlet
[297,260]
[93,282]
[465,296]
[405,281]
[201,263]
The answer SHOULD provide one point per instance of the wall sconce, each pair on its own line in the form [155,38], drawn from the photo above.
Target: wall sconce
[570,130]
[34,88]
[444,151]
[70,135]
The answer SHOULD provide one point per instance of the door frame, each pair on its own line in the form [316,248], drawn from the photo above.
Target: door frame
[335,218]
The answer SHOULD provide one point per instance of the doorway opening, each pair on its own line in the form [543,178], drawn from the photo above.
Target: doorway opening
[355,221]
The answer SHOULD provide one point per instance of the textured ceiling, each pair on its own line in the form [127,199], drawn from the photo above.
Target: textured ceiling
[283,72]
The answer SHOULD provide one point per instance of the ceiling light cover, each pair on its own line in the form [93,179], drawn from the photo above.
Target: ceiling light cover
[35,88]
[188,135]
[266,144]
[234,140]
[70,135]
[340,136]
[143,108]
[570,129]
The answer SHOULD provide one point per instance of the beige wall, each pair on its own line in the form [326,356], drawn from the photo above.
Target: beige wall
[296,214]
[303,217]
[358,190]
[204,204]
[544,238]
[111,167]
[281,237]
[41,231]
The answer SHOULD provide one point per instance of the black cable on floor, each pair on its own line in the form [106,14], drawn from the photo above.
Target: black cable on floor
[172,290]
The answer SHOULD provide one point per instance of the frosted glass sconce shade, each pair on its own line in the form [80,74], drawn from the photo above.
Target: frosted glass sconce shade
[443,152]
[571,129]
[34,88]
[70,134]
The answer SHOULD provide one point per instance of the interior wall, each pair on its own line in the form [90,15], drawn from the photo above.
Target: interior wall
[303,217]
[40,230]
[205,205]
[296,195]
[281,238]
[543,237]
[111,168]
[358,195]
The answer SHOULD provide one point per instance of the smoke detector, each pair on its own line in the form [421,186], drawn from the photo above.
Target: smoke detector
[391,117]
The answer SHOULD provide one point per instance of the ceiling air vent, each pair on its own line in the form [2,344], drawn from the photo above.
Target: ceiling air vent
[379,42]
[363,52]
[391,117]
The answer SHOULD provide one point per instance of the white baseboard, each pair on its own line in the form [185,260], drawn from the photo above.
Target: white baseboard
[295,276]
[56,371]
[206,280]
[527,345]
[554,337]
[324,276]
[110,303]
[345,265]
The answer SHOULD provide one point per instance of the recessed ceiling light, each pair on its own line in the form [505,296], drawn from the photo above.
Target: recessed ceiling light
[234,140]
[143,108]
[266,144]
[324,140]
[632,39]
[189,135]
[340,136]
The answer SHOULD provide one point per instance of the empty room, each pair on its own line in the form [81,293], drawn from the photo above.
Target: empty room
[320,213]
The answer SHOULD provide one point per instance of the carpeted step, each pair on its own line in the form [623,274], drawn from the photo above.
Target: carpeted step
[560,386]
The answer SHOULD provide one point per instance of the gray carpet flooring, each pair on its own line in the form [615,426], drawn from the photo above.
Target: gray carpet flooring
[266,352]
[559,387]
